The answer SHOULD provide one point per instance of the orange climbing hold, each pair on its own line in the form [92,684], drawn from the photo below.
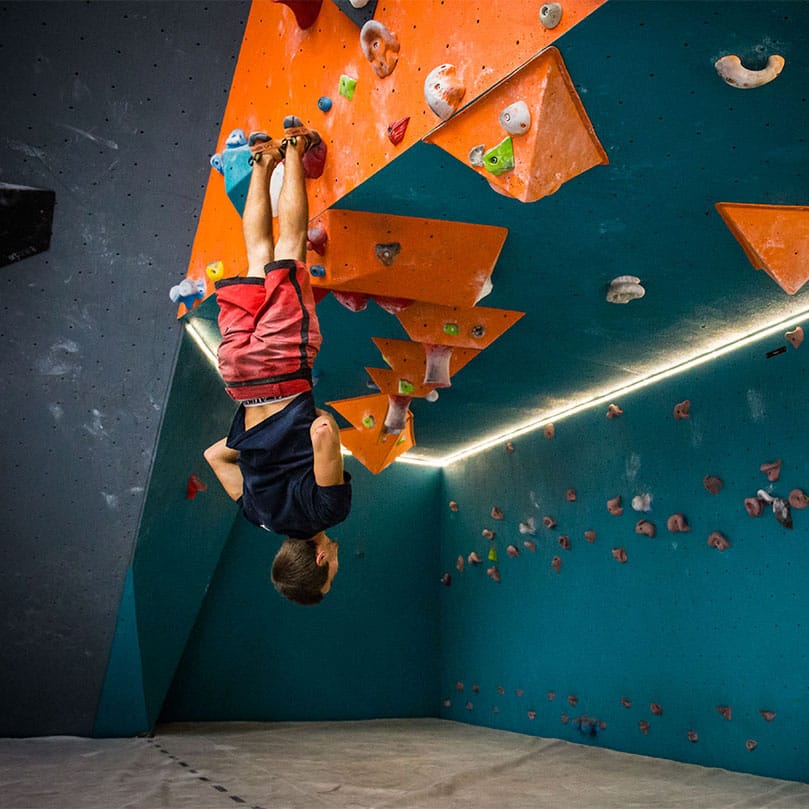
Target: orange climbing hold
[559,144]
[775,239]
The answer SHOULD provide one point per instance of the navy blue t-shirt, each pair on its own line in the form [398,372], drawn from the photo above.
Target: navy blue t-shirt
[276,460]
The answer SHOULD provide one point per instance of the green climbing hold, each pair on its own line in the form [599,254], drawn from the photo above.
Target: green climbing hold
[451,328]
[500,158]
[347,86]
[368,422]
[406,388]
[492,554]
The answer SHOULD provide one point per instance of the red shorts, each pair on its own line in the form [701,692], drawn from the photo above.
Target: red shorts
[270,332]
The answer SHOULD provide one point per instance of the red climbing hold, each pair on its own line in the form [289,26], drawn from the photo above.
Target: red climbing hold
[194,485]
[305,11]
[396,130]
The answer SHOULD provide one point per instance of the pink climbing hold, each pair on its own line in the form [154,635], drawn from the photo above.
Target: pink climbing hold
[316,239]
[393,306]
[646,528]
[532,715]
[754,506]
[446,579]
[476,688]
[550,431]
[751,744]
[719,541]
[613,411]
[682,410]
[656,709]
[453,506]
[564,542]
[712,483]
[493,573]
[614,506]
[772,469]
[513,551]
[509,447]
[459,686]
[619,554]
[798,499]
[570,495]
[573,701]
[725,711]
[501,690]
[551,696]
[768,716]
[530,545]
[459,564]
[590,536]
[497,514]
[519,692]
[556,563]
[474,559]
[447,703]
[677,524]
[380,46]
[626,702]
[795,336]
[564,718]
[437,369]
[353,301]
[692,736]
[549,522]
[643,725]
[487,533]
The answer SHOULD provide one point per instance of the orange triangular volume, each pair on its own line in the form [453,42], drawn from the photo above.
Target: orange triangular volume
[408,257]
[404,383]
[476,328]
[775,239]
[375,450]
[559,144]
[362,411]
[405,355]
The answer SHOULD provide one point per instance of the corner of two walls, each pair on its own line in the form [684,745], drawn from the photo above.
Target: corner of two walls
[682,651]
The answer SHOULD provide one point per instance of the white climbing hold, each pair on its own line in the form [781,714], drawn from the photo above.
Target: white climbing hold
[550,14]
[516,118]
[625,288]
[734,73]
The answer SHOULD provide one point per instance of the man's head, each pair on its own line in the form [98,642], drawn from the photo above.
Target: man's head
[304,569]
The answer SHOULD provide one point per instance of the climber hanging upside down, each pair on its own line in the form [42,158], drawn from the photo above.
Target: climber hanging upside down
[281,460]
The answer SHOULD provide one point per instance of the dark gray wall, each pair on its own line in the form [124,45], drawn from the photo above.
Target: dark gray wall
[116,107]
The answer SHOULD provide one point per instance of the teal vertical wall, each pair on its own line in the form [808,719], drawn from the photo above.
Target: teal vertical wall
[370,649]
[680,624]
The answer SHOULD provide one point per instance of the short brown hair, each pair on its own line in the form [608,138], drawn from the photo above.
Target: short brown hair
[296,574]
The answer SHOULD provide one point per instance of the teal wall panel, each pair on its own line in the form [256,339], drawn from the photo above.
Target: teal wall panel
[370,649]
[180,539]
[680,624]
[121,709]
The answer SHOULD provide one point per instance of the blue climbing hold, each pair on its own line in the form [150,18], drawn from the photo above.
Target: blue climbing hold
[324,103]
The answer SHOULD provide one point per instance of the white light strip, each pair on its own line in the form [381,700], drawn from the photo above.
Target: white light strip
[197,337]
[614,393]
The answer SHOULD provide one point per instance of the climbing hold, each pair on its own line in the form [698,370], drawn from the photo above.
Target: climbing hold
[754,506]
[500,159]
[772,470]
[215,270]
[613,411]
[218,163]
[646,528]
[570,495]
[725,711]
[188,292]
[446,579]
[656,709]
[476,688]
[497,513]
[406,388]
[459,564]
[795,336]
[625,288]
[369,422]
[614,506]
[692,736]
[398,408]
[317,271]
[751,744]
[516,118]
[556,564]
[551,696]
[677,524]
[474,559]
[438,358]
[734,73]
[532,715]
[590,536]
[453,506]
[550,14]
[493,573]
[452,329]
[396,130]
[195,484]
[380,46]
[324,103]
[353,301]
[767,716]
[780,508]
[386,253]
[573,701]
[359,3]
[487,533]
[530,545]
[305,11]
[236,139]
[476,155]
[564,542]
[642,502]
[719,541]
[549,431]
[444,90]
[626,702]
[469,706]
[549,522]
[682,410]
[798,499]
[393,306]
[528,526]
[478,331]
[447,703]
[513,551]
[643,725]
[509,447]
[459,686]
[712,483]
[619,554]
[564,719]
[316,239]
[347,86]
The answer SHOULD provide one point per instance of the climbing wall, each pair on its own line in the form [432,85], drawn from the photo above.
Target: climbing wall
[634,577]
